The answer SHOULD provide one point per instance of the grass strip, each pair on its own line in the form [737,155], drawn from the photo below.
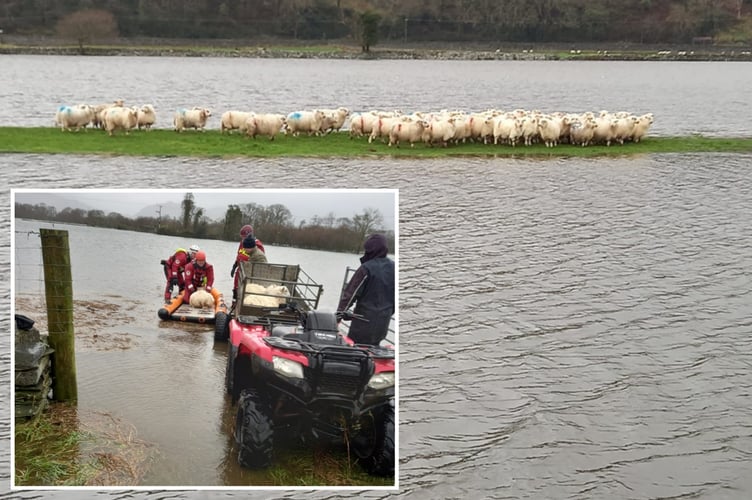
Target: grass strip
[212,144]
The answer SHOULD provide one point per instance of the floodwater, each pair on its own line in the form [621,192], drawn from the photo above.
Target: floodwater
[569,328]
[686,97]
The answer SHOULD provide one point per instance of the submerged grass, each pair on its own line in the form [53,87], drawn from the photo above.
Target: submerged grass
[212,144]
[64,447]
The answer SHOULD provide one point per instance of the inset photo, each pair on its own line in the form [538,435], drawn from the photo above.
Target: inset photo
[195,339]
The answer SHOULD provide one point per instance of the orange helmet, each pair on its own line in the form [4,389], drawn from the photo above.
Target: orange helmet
[201,255]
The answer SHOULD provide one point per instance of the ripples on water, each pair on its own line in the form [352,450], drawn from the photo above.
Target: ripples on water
[568,328]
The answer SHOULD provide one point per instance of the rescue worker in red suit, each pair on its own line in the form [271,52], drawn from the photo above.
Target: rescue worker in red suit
[249,251]
[174,268]
[372,289]
[246,231]
[198,274]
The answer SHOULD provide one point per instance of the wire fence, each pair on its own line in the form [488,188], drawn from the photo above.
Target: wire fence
[32,290]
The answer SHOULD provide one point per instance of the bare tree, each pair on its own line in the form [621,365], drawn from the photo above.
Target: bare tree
[84,26]
[366,222]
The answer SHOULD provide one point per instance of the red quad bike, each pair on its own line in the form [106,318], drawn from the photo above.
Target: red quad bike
[291,372]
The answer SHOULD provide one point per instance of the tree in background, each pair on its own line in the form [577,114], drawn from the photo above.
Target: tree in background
[200,224]
[233,223]
[369,30]
[84,26]
[189,207]
[366,222]
[275,221]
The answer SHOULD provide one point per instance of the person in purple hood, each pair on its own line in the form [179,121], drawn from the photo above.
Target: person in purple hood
[371,288]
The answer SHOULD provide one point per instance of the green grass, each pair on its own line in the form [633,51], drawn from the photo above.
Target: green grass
[212,144]
[65,446]
[49,455]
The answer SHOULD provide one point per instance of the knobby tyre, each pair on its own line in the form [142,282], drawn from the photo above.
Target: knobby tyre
[221,327]
[375,444]
[254,431]
[230,368]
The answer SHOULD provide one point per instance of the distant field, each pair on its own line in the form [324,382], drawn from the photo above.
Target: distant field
[213,144]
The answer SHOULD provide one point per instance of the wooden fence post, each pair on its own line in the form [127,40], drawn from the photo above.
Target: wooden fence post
[58,287]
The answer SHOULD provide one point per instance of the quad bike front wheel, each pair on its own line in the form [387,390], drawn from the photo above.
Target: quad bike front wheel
[230,368]
[254,431]
[374,445]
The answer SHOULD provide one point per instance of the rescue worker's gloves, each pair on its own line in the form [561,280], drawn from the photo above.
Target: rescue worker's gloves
[232,271]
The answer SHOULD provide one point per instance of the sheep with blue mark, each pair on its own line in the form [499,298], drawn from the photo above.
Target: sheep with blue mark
[194,118]
[305,121]
[78,116]
[119,118]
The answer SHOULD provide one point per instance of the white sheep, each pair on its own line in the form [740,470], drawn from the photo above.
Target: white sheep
[146,116]
[269,124]
[265,296]
[78,116]
[549,130]
[191,118]
[407,131]
[507,128]
[305,121]
[119,118]
[202,299]
[641,127]
[334,119]
[234,120]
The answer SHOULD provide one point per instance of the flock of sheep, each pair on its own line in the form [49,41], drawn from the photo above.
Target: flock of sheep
[443,128]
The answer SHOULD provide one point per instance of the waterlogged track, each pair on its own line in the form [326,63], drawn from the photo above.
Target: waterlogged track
[214,144]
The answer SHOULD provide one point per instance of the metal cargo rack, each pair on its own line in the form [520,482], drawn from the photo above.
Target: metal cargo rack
[303,290]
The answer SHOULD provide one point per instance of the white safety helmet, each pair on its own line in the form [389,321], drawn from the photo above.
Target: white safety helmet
[193,249]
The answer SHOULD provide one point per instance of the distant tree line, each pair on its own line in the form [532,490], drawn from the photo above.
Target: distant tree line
[406,21]
[272,224]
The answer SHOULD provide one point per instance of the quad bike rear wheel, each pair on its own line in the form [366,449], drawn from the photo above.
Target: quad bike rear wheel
[254,431]
[221,327]
[374,445]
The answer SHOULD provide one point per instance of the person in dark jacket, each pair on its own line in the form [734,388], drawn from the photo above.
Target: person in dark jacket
[249,252]
[245,232]
[371,288]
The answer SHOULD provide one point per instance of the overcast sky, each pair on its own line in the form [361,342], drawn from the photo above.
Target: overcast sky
[304,204]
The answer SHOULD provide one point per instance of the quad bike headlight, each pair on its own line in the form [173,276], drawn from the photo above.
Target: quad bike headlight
[381,380]
[287,367]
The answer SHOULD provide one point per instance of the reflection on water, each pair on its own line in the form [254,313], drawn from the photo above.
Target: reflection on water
[568,328]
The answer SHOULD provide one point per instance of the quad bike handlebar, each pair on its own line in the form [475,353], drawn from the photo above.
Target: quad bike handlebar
[294,307]
[349,316]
